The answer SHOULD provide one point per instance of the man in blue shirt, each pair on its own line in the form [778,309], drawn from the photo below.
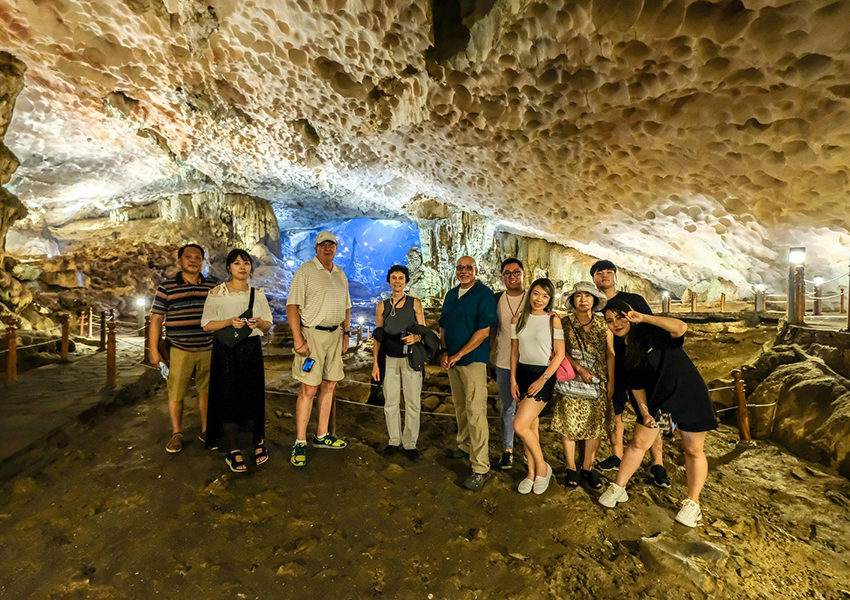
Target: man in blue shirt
[468,312]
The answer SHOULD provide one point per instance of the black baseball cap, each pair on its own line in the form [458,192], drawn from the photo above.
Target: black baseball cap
[602,265]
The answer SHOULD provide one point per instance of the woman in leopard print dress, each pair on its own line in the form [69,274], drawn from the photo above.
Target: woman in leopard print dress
[587,417]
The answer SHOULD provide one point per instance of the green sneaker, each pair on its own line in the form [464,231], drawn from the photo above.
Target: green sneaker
[329,441]
[298,458]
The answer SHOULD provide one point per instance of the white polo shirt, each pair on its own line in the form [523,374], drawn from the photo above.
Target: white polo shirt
[321,295]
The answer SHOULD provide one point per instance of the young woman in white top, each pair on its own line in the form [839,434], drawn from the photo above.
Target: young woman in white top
[537,349]
[237,377]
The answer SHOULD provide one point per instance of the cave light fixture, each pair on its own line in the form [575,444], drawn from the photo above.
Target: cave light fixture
[665,301]
[796,285]
[141,302]
[818,280]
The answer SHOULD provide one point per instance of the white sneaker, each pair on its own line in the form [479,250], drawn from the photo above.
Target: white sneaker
[690,514]
[525,486]
[542,483]
[612,495]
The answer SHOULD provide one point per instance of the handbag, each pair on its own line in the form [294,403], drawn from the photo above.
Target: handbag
[230,336]
[565,371]
[577,387]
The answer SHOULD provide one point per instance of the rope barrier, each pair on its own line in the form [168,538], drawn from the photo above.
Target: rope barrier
[813,297]
[726,387]
[829,280]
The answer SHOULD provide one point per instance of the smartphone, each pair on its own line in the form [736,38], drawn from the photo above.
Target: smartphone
[308,365]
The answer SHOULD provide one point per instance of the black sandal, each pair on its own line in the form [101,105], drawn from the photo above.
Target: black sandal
[233,464]
[261,455]
[571,478]
[592,478]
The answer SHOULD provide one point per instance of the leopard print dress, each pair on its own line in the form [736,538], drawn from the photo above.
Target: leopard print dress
[585,418]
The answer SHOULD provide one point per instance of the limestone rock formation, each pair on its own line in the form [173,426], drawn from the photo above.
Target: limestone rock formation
[802,403]
[11,83]
[689,141]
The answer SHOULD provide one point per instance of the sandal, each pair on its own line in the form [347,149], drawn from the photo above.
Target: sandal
[237,466]
[592,479]
[261,455]
[571,478]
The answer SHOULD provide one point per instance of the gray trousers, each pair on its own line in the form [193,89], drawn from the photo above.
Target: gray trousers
[399,377]
[507,406]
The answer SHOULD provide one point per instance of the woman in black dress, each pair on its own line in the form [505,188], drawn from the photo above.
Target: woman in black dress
[664,381]
[237,377]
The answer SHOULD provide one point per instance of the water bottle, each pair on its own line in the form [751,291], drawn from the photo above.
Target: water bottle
[163,368]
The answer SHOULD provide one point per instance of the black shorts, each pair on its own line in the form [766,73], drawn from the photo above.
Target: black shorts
[621,397]
[528,374]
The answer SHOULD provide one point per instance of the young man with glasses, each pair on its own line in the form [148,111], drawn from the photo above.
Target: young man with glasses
[468,313]
[508,304]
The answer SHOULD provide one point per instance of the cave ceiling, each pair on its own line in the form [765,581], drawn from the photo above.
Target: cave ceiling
[698,139]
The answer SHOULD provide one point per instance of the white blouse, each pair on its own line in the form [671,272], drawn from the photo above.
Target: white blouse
[535,340]
[225,304]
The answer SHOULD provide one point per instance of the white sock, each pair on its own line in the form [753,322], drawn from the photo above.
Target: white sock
[300,442]
[321,437]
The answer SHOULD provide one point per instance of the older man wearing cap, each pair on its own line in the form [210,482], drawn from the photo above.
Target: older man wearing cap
[319,311]
[604,274]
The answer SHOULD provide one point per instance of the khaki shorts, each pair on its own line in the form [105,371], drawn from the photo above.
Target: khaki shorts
[326,350]
[182,365]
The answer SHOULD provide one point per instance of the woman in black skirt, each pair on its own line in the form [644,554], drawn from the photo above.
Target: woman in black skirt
[237,377]
[664,381]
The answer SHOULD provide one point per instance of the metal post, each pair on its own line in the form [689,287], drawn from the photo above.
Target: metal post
[12,356]
[102,345]
[147,338]
[722,302]
[818,293]
[693,302]
[110,354]
[743,412]
[665,304]
[64,319]
[91,320]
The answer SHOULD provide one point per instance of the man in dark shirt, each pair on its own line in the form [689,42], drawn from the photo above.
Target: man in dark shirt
[468,313]
[604,274]
[179,303]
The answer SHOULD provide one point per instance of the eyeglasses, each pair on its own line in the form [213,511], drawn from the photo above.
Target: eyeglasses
[511,273]
[464,268]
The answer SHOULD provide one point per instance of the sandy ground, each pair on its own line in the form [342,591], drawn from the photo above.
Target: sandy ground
[111,515]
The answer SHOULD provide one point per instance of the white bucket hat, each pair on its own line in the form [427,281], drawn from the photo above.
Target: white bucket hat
[588,287]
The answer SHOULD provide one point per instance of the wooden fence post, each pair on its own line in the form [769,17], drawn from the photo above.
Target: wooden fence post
[693,303]
[359,335]
[64,319]
[82,314]
[102,345]
[147,338]
[110,354]
[722,302]
[12,355]
[91,321]
[841,309]
[743,411]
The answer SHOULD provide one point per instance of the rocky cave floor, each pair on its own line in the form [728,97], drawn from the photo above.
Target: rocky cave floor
[111,515]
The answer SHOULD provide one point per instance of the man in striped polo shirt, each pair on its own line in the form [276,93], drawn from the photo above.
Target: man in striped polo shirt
[179,302]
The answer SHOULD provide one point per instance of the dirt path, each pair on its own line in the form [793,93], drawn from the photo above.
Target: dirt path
[114,516]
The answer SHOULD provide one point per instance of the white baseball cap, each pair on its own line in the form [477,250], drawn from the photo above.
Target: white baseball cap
[325,236]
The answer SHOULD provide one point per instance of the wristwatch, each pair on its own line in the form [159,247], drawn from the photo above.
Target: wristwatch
[545,377]
[348,333]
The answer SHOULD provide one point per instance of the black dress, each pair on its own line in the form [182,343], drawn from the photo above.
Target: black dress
[671,381]
[237,390]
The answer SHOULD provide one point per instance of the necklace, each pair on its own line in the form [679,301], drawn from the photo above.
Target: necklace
[518,304]
[578,320]
[395,305]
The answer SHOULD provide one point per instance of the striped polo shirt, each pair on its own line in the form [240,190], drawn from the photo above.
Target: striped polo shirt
[183,304]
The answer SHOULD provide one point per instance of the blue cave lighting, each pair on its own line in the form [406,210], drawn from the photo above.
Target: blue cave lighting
[367,249]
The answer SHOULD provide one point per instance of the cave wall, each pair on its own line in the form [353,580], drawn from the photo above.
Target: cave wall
[460,233]
[11,83]
[222,220]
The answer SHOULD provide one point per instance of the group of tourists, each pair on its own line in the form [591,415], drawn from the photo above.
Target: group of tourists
[608,351]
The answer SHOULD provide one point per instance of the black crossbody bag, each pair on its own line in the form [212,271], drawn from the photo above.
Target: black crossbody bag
[230,336]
